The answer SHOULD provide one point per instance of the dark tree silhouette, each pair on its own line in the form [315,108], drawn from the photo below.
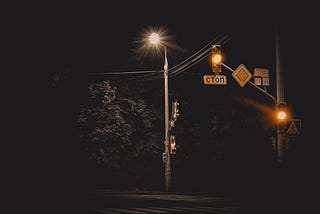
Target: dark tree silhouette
[116,129]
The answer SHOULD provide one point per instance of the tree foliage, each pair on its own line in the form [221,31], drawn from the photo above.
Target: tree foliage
[116,128]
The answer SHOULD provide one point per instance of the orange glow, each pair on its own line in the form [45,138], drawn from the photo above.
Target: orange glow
[281,115]
[173,145]
[216,58]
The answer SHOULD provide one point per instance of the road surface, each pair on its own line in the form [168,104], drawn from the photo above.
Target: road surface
[161,202]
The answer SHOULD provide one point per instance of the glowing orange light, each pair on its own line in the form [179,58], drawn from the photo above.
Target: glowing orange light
[216,58]
[173,145]
[281,115]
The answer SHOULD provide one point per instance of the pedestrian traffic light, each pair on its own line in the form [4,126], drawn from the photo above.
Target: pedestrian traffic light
[173,145]
[174,113]
[164,157]
[216,59]
[175,110]
[281,112]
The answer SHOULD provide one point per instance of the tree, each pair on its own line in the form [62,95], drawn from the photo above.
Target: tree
[116,128]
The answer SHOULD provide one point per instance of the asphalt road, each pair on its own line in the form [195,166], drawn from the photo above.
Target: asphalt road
[246,202]
[161,202]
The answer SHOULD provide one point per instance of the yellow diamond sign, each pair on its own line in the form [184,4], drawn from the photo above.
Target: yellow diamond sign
[242,75]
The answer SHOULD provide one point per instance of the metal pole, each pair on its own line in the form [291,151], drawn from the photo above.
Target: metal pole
[280,97]
[166,113]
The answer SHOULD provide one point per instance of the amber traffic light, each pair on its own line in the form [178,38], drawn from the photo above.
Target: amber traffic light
[216,59]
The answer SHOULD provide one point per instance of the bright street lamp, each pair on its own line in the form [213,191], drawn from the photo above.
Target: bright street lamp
[154,39]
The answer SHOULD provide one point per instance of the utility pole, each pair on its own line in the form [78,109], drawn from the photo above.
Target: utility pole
[154,39]
[280,98]
[166,121]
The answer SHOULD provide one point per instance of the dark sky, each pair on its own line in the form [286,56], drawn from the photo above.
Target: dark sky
[97,38]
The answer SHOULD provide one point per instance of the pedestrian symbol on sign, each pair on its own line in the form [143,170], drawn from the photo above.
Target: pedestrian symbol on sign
[294,127]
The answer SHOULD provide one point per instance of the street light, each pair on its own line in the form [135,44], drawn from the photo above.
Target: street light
[154,39]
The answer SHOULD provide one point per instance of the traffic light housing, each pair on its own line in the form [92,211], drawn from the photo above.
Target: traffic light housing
[173,145]
[164,157]
[216,59]
[281,112]
[175,110]
[174,113]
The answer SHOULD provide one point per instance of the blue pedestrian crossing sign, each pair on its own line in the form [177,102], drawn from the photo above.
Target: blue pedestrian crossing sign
[294,127]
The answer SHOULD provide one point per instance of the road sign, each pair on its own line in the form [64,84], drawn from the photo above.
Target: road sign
[242,75]
[215,79]
[294,127]
[261,76]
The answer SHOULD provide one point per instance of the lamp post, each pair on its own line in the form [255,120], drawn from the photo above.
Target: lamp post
[280,99]
[155,40]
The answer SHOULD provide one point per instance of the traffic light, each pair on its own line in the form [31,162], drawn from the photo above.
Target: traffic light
[175,110]
[174,113]
[164,157]
[281,112]
[173,145]
[216,59]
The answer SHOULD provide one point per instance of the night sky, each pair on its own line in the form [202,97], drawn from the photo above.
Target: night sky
[100,38]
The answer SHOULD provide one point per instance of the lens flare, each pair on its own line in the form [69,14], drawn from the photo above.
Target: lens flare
[154,38]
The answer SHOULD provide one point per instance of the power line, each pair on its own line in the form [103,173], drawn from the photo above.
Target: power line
[199,58]
[184,65]
[125,72]
[173,71]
